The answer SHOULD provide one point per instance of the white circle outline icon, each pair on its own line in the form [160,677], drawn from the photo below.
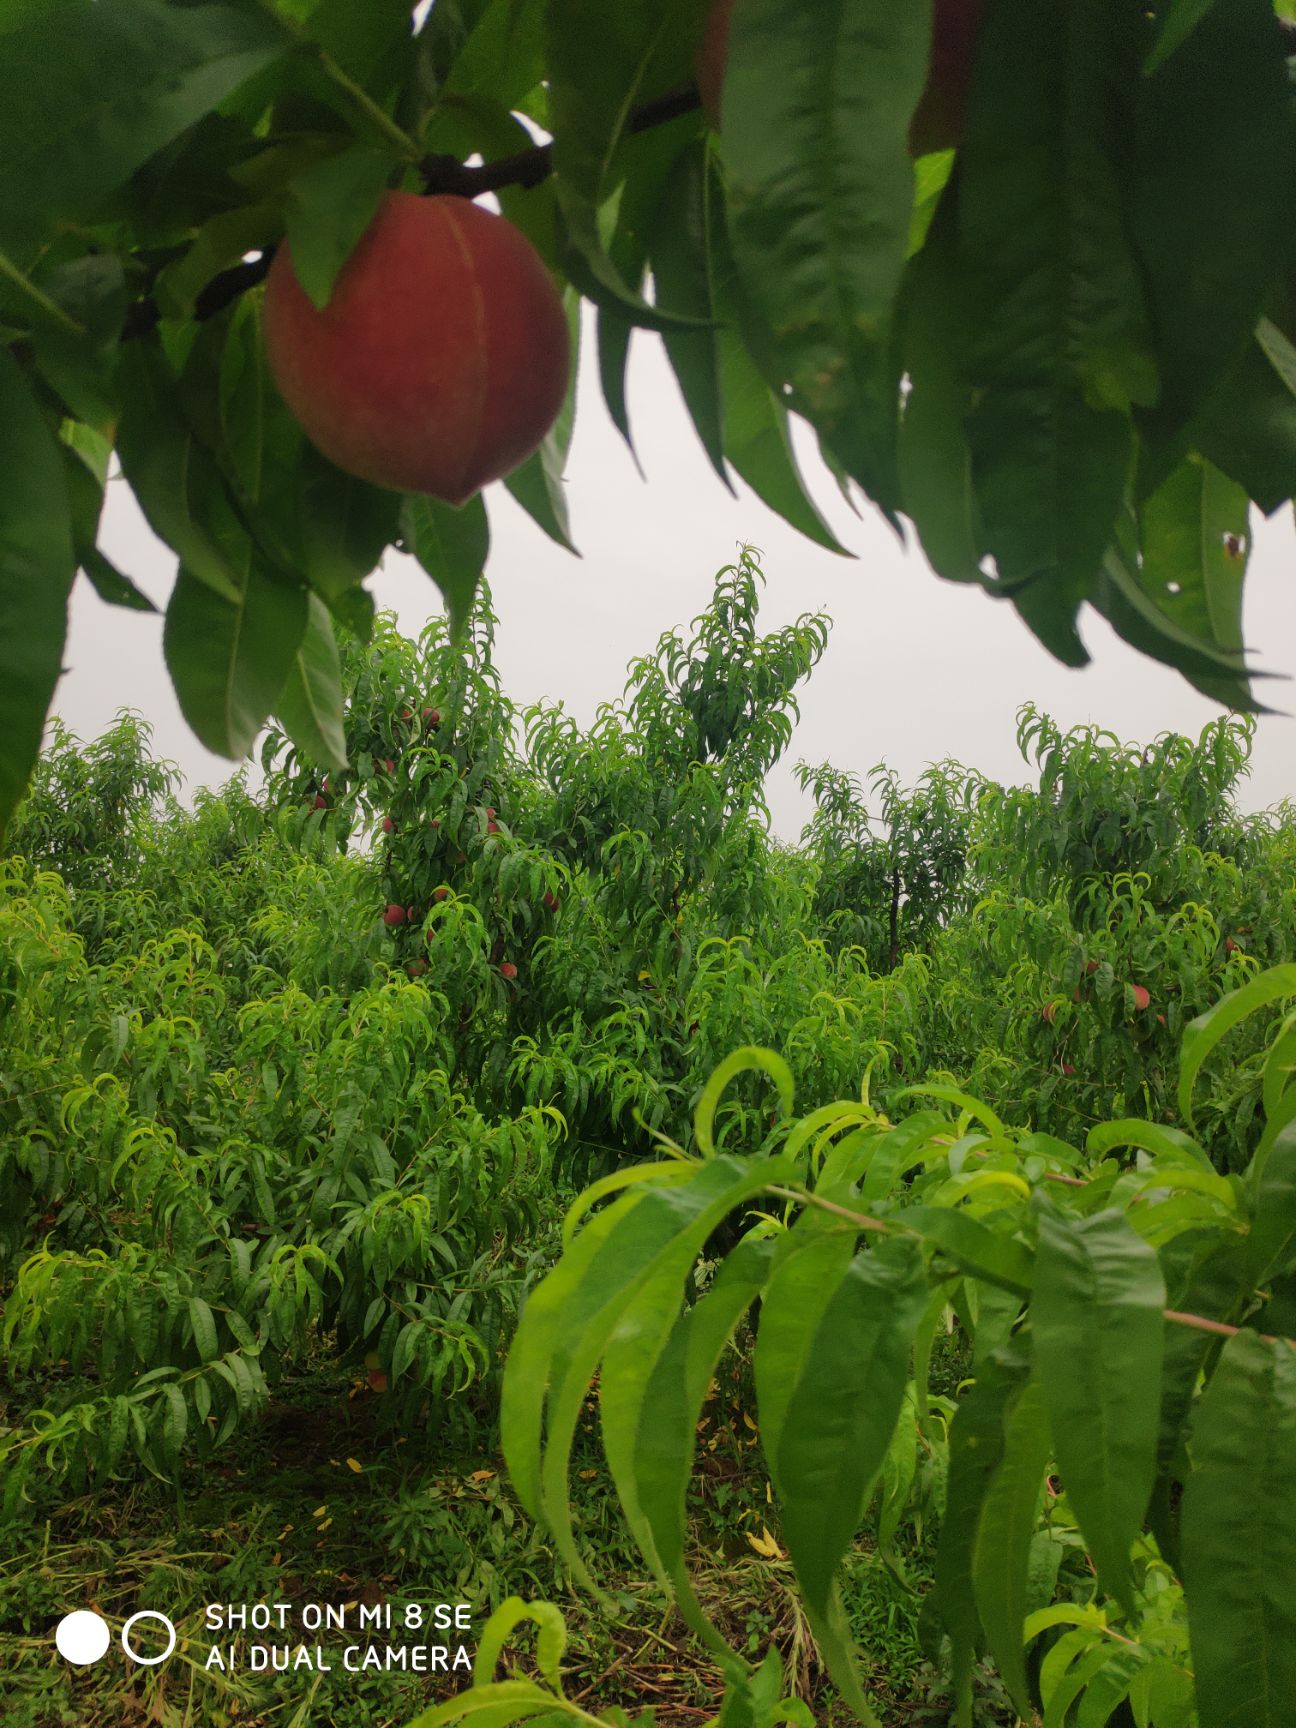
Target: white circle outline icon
[82,1637]
[148,1614]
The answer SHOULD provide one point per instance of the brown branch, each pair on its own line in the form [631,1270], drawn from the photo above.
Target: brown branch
[441,175]
[1220,1328]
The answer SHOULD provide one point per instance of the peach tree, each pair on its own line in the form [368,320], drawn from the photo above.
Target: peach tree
[1021,266]
[1116,1529]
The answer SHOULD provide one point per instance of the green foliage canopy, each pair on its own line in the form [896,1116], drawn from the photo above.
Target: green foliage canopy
[1063,352]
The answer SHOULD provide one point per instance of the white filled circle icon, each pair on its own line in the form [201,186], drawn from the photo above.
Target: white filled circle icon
[82,1637]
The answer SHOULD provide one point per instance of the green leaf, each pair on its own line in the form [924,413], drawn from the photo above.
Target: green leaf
[1180,20]
[976,1446]
[36,569]
[310,704]
[452,544]
[112,587]
[202,1323]
[1211,201]
[345,526]
[1272,1239]
[832,1425]
[510,1614]
[622,1256]
[1204,1033]
[1057,349]
[1097,1328]
[230,659]
[1194,541]
[174,476]
[614,333]
[175,1423]
[1248,427]
[1001,1553]
[499,1704]
[601,61]
[329,207]
[1239,1537]
[89,92]
[817,104]
[748,1059]
[935,460]
[85,459]
[538,483]
[679,256]
[756,439]
[666,1438]
[974,1247]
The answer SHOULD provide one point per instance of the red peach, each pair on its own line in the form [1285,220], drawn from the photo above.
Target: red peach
[441,359]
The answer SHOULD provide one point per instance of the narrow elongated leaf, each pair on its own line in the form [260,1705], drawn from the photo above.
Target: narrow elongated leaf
[1058,347]
[1194,534]
[538,483]
[614,333]
[329,207]
[37,565]
[1097,1328]
[1204,1033]
[310,705]
[202,1323]
[1180,20]
[975,1247]
[1212,201]
[452,545]
[549,1307]
[935,461]
[1239,1537]
[756,437]
[230,659]
[666,1437]
[817,103]
[346,524]
[1001,1553]
[975,1449]
[679,255]
[1248,427]
[89,92]
[570,1318]
[843,1410]
[601,61]
[173,476]
[831,1365]
[1272,1242]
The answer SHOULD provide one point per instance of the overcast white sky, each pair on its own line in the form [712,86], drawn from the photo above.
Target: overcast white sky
[916,669]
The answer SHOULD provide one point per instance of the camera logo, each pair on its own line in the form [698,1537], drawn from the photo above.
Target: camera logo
[83,1637]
